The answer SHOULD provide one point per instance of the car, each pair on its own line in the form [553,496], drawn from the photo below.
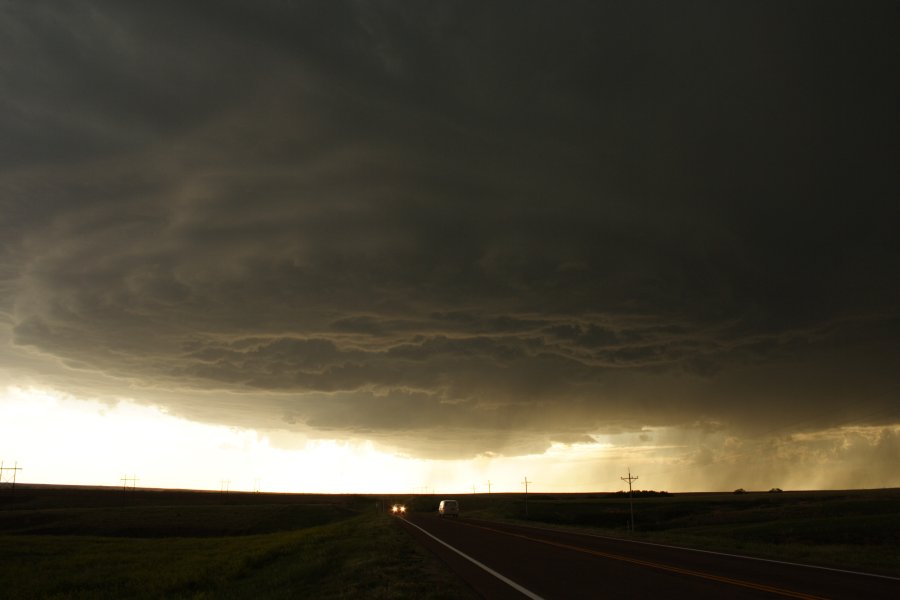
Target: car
[398,509]
[448,508]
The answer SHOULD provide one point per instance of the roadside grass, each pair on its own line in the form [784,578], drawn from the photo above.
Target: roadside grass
[366,556]
[856,530]
[90,543]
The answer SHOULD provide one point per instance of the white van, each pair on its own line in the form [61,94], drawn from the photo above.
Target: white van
[448,508]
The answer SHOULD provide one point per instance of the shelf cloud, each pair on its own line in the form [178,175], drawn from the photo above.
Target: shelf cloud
[455,228]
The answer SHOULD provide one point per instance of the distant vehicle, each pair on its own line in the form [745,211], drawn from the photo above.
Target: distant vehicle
[448,508]
[398,509]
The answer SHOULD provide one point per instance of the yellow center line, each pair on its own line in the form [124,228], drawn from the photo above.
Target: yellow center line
[661,566]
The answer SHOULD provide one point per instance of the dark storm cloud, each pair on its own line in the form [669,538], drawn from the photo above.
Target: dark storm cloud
[455,222]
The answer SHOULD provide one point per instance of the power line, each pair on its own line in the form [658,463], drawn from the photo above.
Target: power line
[14,469]
[526,482]
[630,479]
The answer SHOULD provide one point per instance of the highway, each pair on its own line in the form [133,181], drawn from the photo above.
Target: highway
[502,561]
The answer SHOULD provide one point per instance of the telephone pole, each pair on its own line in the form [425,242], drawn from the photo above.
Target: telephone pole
[489,486]
[125,481]
[526,482]
[15,469]
[630,479]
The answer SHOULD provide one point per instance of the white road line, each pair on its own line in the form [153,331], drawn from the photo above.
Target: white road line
[505,580]
[745,557]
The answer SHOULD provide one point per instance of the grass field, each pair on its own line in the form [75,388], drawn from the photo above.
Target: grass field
[857,529]
[146,545]
[90,543]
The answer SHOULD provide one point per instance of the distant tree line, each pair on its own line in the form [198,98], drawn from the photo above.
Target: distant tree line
[643,494]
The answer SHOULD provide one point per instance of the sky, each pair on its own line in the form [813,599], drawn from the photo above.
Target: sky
[404,246]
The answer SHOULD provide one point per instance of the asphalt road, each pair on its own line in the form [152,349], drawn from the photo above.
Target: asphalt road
[501,561]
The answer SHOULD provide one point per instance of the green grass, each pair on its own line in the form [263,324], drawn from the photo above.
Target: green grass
[367,556]
[299,547]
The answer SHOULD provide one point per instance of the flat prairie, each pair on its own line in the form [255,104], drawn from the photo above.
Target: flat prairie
[82,542]
[79,542]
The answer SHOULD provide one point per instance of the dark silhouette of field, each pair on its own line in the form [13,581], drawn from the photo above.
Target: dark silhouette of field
[58,510]
[79,541]
[862,518]
[84,542]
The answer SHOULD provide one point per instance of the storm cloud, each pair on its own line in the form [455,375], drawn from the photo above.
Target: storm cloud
[456,227]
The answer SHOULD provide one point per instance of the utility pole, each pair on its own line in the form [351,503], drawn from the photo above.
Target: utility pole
[526,482]
[473,488]
[630,479]
[125,481]
[225,485]
[15,469]
[489,486]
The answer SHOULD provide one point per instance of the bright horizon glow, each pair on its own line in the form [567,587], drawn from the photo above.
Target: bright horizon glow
[64,440]
[58,439]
